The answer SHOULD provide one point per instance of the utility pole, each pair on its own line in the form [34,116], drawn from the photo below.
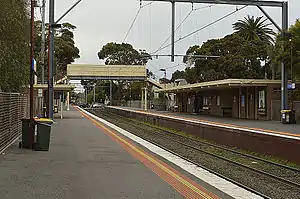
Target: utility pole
[284,75]
[32,44]
[42,54]
[51,59]
[52,26]
[173,32]
[43,11]
[279,4]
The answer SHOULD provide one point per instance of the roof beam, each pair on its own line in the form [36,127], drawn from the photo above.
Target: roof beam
[230,2]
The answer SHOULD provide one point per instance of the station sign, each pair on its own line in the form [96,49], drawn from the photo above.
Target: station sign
[291,86]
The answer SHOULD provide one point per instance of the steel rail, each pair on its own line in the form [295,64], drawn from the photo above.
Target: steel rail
[288,182]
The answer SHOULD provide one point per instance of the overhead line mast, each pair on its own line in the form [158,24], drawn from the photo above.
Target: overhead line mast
[280,4]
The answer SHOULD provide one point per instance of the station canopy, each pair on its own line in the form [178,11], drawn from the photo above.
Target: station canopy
[227,83]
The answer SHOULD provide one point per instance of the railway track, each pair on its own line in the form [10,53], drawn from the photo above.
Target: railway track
[276,180]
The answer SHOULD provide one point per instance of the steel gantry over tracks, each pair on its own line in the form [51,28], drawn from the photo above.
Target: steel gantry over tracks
[280,4]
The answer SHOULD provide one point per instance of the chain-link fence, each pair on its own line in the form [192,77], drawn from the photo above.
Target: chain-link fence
[13,107]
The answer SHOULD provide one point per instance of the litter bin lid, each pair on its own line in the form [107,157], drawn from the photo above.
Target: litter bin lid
[286,111]
[44,120]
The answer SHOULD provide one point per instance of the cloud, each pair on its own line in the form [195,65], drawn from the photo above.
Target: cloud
[101,21]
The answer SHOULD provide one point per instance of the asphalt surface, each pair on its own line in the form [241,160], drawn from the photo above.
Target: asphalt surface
[83,163]
[268,125]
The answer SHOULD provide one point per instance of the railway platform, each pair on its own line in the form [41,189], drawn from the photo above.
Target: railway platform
[91,159]
[263,137]
[274,128]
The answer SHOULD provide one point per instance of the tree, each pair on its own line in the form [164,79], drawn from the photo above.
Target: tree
[65,51]
[125,54]
[14,45]
[291,53]
[177,75]
[252,28]
[122,54]
[239,58]
[164,81]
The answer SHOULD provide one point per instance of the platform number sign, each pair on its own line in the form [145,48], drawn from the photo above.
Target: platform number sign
[291,86]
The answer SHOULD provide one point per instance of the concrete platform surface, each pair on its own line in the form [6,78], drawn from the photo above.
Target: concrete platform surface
[83,163]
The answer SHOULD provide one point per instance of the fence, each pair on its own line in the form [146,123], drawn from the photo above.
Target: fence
[13,107]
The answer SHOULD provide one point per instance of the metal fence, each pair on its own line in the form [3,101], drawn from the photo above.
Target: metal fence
[13,107]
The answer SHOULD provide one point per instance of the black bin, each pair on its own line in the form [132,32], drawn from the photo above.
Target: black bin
[27,138]
[288,117]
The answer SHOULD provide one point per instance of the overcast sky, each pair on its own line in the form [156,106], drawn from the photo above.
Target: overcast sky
[101,21]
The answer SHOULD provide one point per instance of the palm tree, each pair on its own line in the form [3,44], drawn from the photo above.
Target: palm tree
[254,28]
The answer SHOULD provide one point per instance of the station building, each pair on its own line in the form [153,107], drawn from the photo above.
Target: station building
[256,99]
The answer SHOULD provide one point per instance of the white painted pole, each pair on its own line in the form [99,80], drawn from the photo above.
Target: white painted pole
[142,103]
[146,107]
[68,101]
[61,107]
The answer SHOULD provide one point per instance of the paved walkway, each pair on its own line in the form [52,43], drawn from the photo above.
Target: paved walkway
[83,163]
[267,125]
[86,162]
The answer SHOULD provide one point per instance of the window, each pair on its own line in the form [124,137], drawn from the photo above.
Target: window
[206,101]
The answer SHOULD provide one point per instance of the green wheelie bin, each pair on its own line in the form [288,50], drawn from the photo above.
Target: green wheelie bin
[43,134]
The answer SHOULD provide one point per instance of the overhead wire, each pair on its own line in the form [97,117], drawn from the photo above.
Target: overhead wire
[135,18]
[180,24]
[174,66]
[202,28]
[132,24]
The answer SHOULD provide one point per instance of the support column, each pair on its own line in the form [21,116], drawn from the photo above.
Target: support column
[247,102]
[284,77]
[111,93]
[94,93]
[240,104]
[51,59]
[68,101]
[68,98]
[255,103]
[142,101]
[61,105]
[86,99]
[173,32]
[146,102]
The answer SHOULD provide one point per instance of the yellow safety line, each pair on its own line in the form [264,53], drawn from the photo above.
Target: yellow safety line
[179,178]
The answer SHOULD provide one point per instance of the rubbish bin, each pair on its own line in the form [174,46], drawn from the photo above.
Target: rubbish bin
[27,138]
[43,134]
[55,109]
[288,117]
[44,111]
